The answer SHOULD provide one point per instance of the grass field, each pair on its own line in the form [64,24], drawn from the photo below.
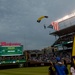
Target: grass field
[26,71]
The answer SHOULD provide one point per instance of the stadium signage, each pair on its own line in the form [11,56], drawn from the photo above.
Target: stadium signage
[9,44]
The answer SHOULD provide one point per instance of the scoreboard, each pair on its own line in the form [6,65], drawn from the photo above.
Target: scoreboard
[11,53]
[11,49]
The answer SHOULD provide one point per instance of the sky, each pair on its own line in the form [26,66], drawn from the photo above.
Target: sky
[18,21]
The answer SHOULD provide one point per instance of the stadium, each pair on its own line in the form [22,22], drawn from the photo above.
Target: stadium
[62,47]
[12,54]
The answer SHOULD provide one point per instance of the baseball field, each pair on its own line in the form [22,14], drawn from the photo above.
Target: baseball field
[26,71]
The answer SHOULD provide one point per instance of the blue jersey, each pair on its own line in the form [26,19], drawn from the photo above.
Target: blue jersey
[60,69]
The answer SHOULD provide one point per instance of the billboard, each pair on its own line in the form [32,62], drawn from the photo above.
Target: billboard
[10,49]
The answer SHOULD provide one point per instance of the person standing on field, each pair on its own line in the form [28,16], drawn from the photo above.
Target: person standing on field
[51,69]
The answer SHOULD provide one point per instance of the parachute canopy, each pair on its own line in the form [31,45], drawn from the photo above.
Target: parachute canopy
[40,18]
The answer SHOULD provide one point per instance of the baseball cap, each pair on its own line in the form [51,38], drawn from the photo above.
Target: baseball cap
[58,58]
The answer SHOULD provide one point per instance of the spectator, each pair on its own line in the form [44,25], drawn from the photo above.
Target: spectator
[60,68]
[51,69]
[72,69]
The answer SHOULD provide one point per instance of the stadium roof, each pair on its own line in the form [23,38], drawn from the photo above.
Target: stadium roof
[64,31]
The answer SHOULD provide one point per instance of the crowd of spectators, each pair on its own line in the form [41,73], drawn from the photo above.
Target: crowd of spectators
[6,58]
[46,57]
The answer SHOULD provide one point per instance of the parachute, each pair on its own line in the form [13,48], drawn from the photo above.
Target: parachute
[40,18]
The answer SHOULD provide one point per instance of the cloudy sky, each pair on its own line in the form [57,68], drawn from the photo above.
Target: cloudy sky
[18,20]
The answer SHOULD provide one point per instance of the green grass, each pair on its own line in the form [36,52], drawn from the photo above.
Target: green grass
[26,71]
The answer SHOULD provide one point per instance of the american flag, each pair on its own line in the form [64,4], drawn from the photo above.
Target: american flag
[55,26]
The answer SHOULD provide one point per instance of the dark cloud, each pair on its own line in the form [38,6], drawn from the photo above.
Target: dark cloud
[18,20]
